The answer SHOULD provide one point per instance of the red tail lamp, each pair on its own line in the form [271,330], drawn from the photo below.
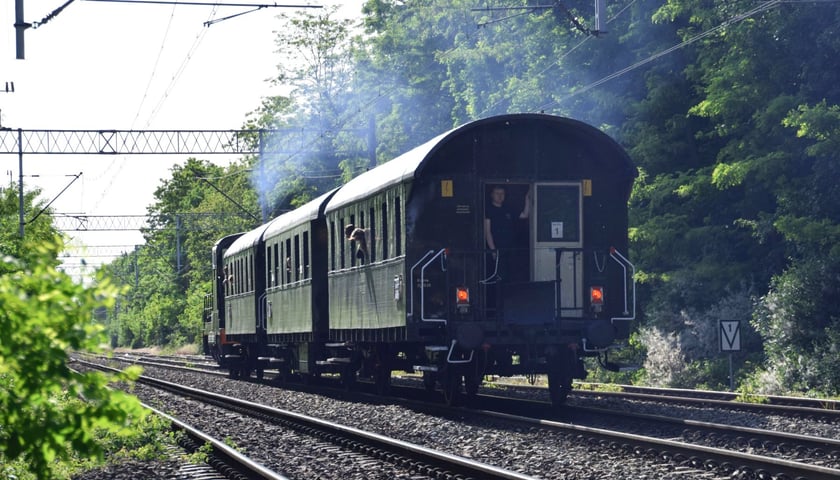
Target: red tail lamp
[596,297]
[462,295]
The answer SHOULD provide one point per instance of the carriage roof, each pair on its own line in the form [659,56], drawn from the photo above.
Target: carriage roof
[410,164]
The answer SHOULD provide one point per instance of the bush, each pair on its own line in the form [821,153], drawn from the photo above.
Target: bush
[683,348]
[45,315]
[800,322]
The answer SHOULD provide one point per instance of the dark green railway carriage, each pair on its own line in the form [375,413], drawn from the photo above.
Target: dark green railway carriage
[418,289]
[275,294]
[214,302]
[427,294]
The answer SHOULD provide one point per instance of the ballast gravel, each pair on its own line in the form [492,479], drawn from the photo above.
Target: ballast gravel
[530,451]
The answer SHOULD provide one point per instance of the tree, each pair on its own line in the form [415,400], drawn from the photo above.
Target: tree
[400,70]
[37,229]
[45,315]
[316,64]
[799,317]
[200,203]
[728,198]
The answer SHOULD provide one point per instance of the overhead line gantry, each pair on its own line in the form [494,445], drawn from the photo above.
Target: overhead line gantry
[287,141]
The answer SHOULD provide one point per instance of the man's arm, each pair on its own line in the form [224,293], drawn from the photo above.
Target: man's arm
[488,235]
[526,211]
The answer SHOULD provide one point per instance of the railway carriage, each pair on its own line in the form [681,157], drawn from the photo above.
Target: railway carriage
[274,294]
[214,302]
[426,293]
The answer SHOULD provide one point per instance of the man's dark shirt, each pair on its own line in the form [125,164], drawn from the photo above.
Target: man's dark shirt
[502,224]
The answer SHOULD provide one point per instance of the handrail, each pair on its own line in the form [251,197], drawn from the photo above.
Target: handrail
[423,291]
[452,348]
[410,312]
[624,262]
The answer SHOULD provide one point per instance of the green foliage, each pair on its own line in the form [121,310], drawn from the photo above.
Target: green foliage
[682,346]
[735,133]
[38,230]
[45,315]
[148,439]
[169,275]
[800,321]
[201,454]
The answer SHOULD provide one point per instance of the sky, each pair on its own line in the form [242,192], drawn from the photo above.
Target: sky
[120,66]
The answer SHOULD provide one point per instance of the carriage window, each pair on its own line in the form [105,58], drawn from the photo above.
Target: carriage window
[249,272]
[371,236]
[353,244]
[398,226]
[236,277]
[284,262]
[269,278]
[297,264]
[305,254]
[280,268]
[384,231]
[276,267]
[558,213]
[332,245]
[361,225]
[288,260]
[341,243]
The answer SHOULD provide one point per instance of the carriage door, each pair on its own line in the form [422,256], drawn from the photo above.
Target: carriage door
[558,239]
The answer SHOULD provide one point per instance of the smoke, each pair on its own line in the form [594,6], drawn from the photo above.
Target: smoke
[356,103]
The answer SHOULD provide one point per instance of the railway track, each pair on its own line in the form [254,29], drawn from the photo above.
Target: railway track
[808,449]
[807,408]
[422,461]
[778,400]
[222,460]
[721,449]
[717,460]
[700,444]
[769,404]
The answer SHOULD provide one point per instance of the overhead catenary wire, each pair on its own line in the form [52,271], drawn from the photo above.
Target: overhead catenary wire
[733,20]
[180,69]
[212,4]
[167,91]
[437,58]
[559,61]
[139,109]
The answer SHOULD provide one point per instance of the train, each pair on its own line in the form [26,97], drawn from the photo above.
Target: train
[395,270]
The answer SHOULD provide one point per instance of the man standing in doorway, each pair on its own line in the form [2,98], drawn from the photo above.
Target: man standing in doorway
[500,229]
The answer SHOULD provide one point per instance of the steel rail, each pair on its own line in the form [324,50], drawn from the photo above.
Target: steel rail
[670,448]
[761,408]
[433,458]
[458,465]
[718,428]
[699,456]
[778,400]
[242,464]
